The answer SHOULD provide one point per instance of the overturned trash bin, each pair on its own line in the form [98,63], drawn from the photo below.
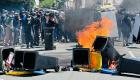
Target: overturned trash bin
[129,65]
[81,56]
[33,60]
[6,58]
[80,59]
[49,38]
[100,43]
[124,65]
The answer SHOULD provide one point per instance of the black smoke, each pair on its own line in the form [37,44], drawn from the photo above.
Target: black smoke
[132,6]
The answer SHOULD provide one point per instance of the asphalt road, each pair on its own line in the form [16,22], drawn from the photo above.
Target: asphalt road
[65,49]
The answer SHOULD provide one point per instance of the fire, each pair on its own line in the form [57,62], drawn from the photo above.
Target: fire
[87,36]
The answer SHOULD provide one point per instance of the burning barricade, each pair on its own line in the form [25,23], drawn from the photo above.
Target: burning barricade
[88,36]
[96,51]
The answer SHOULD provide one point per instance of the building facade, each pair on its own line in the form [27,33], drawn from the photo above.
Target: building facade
[75,4]
[114,2]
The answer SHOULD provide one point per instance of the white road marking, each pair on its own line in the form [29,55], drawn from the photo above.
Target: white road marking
[131,54]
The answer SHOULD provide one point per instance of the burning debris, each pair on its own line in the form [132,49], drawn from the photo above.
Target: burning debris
[102,55]
[87,36]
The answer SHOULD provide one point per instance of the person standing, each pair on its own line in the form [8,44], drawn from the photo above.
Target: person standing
[9,29]
[37,25]
[28,32]
[50,26]
[126,23]
[44,19]
[23,21]
[16,26]
[62,33]
[3,24]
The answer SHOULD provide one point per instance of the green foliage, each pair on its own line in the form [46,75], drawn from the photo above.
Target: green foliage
[57,4]
[61,3]
[46,3]
[29,4]
[32,3]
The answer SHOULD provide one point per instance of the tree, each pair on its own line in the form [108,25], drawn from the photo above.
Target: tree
[57,4]
[46,3]
[61,3]
[29,4]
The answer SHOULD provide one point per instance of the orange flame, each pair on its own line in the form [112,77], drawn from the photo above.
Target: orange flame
[87,36]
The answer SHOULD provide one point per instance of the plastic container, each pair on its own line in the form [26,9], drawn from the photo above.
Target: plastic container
[95,60]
